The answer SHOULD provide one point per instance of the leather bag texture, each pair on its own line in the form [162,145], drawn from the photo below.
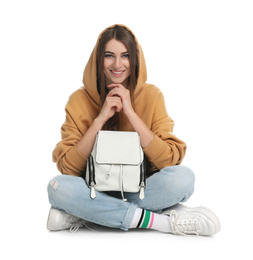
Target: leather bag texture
[116,163]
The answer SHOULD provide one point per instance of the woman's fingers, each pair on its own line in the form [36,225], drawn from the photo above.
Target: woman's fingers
[111,105]
[115,102]
[119,91]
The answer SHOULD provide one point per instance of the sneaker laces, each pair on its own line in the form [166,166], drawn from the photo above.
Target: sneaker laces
[179,227]
[74,223]
[80,224]
[76,226]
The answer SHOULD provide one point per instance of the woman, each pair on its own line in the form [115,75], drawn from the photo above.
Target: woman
[116,96]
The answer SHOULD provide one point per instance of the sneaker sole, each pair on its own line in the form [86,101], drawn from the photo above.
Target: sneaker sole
[207,213]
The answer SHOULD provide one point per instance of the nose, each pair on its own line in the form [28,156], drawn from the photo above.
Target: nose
[117,62]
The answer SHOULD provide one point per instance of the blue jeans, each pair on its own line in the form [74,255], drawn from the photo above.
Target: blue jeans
[164,189]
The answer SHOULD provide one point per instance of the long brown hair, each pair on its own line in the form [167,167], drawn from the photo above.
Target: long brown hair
[123,35]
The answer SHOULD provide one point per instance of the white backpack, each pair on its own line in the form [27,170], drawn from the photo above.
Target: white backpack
[116,163]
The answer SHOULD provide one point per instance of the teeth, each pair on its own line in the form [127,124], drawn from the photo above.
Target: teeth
[117,72]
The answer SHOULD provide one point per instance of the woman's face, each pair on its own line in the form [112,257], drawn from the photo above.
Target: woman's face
[116,63]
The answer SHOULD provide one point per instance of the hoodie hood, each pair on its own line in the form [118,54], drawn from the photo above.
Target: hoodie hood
[90,72]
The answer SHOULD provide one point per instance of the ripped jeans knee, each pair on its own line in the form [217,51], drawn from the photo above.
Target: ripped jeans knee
[54,184]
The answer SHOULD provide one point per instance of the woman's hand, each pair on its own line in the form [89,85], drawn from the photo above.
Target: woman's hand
[117,90]
[146,136]
[111,105]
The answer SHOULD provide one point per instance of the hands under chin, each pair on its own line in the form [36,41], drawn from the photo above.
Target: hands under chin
[119,91]
[119,99]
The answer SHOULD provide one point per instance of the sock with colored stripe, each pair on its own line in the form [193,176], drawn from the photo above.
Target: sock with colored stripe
[150,220]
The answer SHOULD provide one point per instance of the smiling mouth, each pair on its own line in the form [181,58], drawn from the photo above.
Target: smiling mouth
[117,73]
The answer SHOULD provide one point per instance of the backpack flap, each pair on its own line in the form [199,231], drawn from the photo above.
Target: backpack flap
[118,148]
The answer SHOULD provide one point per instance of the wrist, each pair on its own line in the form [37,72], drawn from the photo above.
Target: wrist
[130,114]
[98,123]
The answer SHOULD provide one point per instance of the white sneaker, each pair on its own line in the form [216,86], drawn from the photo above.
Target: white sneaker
[177,207]
[60,220]
[192,221]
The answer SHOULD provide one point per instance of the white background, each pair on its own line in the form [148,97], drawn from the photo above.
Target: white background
[199,53]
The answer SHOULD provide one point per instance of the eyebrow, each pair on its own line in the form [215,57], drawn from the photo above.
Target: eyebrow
[125,52]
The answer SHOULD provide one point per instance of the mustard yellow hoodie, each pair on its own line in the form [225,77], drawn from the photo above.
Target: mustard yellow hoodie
[83,107]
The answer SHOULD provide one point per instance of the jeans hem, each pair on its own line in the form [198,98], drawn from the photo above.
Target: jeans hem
[128,217]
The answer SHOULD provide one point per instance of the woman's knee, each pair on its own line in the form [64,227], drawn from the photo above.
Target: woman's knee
[65,188]
[66,182]
[181,177]
[58,183]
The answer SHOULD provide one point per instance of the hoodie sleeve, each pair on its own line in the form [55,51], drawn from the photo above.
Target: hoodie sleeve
[165,149]
[66,155]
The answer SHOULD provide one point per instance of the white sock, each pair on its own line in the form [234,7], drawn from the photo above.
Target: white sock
[147,219]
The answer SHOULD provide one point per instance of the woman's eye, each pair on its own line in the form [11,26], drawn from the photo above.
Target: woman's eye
[108,55]
[126,56]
